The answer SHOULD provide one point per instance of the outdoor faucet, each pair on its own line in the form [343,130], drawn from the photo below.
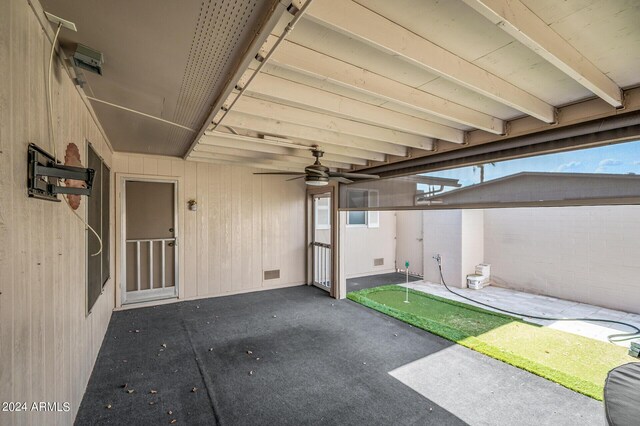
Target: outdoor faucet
[437,258]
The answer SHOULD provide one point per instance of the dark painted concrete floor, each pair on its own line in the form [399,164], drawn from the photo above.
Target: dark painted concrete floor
[295,357]
[355,284]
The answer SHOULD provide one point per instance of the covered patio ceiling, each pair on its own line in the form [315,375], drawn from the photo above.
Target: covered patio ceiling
[370,82]
[378,82]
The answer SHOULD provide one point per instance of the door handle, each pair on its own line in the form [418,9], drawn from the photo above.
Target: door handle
[171,244]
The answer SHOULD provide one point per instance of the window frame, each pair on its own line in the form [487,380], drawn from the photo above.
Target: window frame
[371,218]
[105,234]
[317,206]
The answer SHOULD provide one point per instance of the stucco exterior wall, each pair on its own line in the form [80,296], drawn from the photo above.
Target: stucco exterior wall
[363,245]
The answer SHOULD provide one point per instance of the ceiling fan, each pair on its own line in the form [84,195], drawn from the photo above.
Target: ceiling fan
[319,175]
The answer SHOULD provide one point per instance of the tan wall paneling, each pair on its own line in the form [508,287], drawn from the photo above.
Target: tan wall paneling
[245,224]
[48,344]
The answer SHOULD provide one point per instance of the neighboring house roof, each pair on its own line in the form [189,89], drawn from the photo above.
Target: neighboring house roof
[530,187]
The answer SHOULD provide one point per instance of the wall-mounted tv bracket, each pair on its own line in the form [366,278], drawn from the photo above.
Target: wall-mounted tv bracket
[44,172]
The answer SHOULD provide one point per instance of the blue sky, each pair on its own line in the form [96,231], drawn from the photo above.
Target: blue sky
[618,159]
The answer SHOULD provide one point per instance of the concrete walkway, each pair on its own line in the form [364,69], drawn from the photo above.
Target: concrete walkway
[543,306]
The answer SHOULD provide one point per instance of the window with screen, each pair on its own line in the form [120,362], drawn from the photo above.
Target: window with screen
[364,199]
[98,265]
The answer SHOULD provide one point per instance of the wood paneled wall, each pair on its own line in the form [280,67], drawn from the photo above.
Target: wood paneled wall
[48,344]
[245,224]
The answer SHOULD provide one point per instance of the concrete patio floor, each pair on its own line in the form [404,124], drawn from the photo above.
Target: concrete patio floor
[543,306]
[295,356]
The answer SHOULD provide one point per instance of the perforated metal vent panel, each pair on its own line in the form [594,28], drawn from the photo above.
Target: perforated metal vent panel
[222,34]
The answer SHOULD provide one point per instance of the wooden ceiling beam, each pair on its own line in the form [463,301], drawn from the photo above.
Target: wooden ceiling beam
[261,155]
[360,23]
[322,121]
[521,23]
[294,93]
[310,62]
[249,143]
[350,145]
[247,162]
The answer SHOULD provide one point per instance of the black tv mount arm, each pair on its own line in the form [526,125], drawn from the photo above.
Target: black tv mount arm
[44,172]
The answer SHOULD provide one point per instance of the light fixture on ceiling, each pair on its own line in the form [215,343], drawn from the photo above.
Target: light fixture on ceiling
[316,180]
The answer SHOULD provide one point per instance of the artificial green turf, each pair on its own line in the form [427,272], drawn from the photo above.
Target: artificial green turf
[576,362]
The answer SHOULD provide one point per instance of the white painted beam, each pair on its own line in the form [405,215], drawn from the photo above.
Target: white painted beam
[310,62]
[351,145]
[237,162]
[248,143]
[255,155]
[525,26]
[286,113]
[247,162]
[358,22]
[288,91]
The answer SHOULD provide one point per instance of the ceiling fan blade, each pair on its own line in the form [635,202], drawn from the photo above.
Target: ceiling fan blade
[297,177]
[315,172]
[353,175]
[341,179]
[282,173]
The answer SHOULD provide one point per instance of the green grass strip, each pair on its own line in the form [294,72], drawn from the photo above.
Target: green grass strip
[573,361]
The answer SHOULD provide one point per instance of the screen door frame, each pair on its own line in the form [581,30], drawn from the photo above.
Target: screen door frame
[157,294]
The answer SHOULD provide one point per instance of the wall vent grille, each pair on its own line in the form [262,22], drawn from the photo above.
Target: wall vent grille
[272,275]
[378,262]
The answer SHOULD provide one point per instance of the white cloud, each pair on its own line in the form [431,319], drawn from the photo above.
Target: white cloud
[607,163]
[568,166]
[610,162]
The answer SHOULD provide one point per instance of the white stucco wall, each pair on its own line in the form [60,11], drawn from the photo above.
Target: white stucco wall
[586,254]
[362,245]
[409,241]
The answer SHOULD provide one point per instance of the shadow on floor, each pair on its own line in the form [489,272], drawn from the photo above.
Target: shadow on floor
[290,356]
[355,284]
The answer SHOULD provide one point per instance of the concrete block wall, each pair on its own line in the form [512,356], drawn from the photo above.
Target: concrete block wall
[472,250]
[457,235]
[586,254]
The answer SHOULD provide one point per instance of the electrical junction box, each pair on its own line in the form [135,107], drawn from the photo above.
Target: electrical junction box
[88,59]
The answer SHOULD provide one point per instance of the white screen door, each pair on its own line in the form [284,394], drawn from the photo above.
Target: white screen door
[150,230]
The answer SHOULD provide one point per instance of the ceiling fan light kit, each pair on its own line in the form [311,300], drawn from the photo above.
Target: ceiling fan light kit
[319,175]
[316,180]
